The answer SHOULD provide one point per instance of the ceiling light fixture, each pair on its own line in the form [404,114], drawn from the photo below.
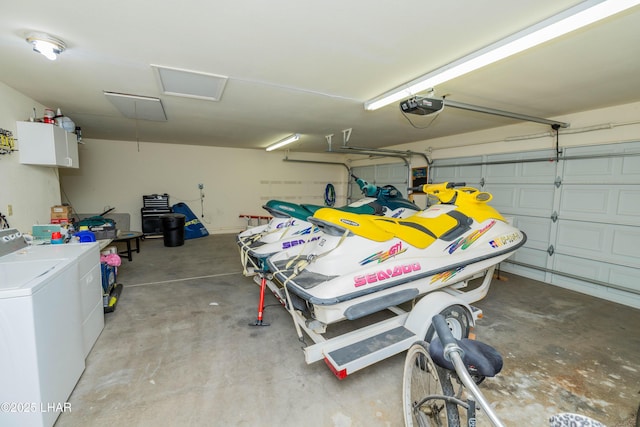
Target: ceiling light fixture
[283,142]
[46,45]
[579,16]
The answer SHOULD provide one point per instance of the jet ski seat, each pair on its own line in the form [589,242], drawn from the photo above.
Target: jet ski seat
[282,209]
[378,209]
[421,232]
[311,208]
[418,230]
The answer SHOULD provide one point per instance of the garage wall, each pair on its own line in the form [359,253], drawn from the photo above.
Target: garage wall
[236,181]
[580,212]
[30,190]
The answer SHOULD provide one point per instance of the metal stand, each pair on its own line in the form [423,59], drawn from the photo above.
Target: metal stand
[259,321]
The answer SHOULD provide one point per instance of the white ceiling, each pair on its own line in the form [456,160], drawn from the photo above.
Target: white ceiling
[308,67]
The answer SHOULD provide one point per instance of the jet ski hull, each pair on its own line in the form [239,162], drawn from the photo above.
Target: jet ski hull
[347,276]
[283,233]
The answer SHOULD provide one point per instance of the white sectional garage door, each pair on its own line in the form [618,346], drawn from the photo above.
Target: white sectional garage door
[581,214]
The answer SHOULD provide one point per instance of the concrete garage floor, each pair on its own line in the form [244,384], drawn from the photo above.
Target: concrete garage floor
[178,351]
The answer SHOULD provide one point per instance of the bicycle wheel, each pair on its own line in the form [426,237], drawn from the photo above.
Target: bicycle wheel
[423,378]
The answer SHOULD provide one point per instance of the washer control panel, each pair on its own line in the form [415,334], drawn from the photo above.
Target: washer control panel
[11,240]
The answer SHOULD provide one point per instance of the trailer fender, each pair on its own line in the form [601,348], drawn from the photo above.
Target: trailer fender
[419,319]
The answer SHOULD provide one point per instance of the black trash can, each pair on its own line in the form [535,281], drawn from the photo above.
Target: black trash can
[173,229]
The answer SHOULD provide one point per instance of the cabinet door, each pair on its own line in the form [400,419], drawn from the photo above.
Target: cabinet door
[72,159]
[46,145]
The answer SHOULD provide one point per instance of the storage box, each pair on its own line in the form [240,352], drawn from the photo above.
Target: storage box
[105,231]
[60,220]
[155,201]
[60,212]
[44,231]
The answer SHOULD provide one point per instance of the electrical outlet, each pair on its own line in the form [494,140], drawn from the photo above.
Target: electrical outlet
[9,210]
[200,186]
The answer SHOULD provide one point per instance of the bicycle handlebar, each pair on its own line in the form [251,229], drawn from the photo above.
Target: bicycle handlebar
[454,353]
[443,331]
[449,343]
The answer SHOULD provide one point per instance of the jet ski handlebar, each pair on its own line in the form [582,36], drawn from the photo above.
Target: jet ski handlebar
[440,187]
[450,192]
[456,184]
[371,190]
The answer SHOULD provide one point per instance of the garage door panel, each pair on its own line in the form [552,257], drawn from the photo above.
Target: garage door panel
[626,277]
[616,275]
[537,230]
[581,239]
[624,246]
[368,173]
[624,148]
[599,170]
[504,197]
[607,243]
[578,285]
[629,203]
[607,293]
[621,297]
[584,201]
[527,173]
[589,170]
[536,198]
[631,169]
[495,172]
[391,174]
[469,174]
[443,174]
[530,256]
[580,267]
[520,270]
[531,200]
[541,171]
[606,204]
[602,171]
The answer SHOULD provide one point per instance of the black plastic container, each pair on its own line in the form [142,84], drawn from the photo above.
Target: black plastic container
[173,229]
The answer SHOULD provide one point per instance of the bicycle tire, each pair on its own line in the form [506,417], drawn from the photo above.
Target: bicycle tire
[421,378]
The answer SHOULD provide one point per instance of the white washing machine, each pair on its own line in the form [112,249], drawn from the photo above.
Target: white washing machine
[44,326]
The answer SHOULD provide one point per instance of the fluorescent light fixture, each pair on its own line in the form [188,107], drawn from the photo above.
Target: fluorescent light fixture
[576,17]
[283,142]
[46,45]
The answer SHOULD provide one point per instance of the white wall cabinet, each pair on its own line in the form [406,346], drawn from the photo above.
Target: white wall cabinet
[47,145]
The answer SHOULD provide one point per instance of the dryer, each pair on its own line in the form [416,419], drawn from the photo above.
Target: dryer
[43,327]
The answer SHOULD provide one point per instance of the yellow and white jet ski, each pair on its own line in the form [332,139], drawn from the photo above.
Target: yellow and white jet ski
[365,263]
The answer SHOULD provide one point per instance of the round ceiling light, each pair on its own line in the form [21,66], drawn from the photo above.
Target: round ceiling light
[46,45]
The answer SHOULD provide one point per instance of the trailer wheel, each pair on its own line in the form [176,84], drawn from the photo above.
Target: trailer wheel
[458,319]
